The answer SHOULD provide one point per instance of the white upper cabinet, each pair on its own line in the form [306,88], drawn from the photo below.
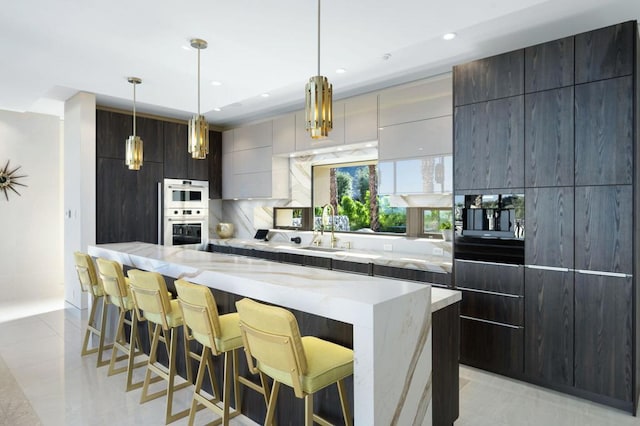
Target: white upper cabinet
[254,136]
[284,135]
[425,99]
[335,138]
[227,165]
[361,119]
[416,139]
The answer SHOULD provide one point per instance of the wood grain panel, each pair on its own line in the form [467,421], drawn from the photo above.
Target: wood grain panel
[175,150]
[605,53]
[112,130]
[490,78]
[507,279]
[491,307]
[603,335]
[116,204]
[446,371]
[150,131]
[603,228]
[549,227]
[548,353]
[489,144]
[215,165]
[549,65]
[604,132]
[492,347]
[548,140]
[146,191]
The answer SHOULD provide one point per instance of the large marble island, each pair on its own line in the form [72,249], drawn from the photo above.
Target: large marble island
[391,319]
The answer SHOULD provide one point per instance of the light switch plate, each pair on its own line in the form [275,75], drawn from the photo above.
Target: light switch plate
[388,247]
[438,251]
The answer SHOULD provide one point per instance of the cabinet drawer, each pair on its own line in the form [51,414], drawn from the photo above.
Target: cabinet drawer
[491,307]
[491,347]
[496,277]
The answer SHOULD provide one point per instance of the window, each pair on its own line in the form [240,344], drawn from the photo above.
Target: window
[352,190]
[435,220]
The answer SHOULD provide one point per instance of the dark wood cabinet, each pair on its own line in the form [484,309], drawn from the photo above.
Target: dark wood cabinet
[215,165]
[548,335]
[604,132]
[112,131]
[490,277]
[178,163]
[493,347]
[501,308]
[496,77]
[355,267]
[176,153]
[549,65]
[548,139]
[489,144]
[604,339]
[549,228]
[603,228]
[147,180]
[150,131]
[605,53]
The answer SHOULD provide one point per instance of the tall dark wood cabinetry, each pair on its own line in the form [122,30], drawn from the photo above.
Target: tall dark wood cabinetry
[127,201]
[581,182]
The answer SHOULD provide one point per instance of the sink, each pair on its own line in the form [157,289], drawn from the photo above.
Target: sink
[327,249]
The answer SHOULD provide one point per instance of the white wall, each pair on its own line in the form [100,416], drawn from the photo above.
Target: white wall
[31,239]
[79,187]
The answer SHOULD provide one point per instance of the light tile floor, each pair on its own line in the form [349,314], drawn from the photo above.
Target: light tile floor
[43,380]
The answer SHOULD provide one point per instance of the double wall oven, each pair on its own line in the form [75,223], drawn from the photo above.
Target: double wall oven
[186,212]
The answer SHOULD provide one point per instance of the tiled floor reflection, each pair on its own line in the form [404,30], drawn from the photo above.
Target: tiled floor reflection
[43,380]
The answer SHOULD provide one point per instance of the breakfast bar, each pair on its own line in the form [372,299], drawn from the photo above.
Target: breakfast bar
[391,319]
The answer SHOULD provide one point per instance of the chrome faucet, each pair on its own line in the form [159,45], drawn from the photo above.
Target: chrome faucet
[333,217]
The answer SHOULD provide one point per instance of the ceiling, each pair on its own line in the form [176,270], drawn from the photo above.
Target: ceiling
[50,50]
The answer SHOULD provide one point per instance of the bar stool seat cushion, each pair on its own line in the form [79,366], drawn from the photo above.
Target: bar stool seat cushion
[174,318]
[326,364]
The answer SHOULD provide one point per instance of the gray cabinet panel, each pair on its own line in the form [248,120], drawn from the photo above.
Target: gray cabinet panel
[603,228]
[603,335]
[549,65]
[112,130]
[605,53]
[548,139]
[549,227]
[490,78]
[489,144]
[548,335]
[604,132]
[486,276]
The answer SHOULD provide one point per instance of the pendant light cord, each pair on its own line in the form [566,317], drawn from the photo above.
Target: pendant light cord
[318,37]
[134,109]
[199,81]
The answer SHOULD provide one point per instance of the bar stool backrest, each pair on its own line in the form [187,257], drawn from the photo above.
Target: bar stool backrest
[271,336]
[87,276]
[149,291]
[200,313]
[113,281]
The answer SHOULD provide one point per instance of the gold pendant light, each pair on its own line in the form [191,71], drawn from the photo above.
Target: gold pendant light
[133,156]
[198,126]
[319,101]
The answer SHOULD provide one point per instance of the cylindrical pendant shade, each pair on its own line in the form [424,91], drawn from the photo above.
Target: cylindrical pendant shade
[198,137]
[319,107]
[134,153]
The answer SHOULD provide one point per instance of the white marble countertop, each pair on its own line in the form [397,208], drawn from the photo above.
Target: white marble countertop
[432,263]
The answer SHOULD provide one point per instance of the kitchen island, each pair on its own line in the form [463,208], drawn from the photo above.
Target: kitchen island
[390,319]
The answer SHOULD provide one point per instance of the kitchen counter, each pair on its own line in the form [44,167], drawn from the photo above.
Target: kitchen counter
[426,262]
[391,319]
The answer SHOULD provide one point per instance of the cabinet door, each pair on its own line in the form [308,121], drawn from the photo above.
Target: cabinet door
[603,228]
[228,187]
[116,204]
[489,144]
[490,78]
[254,136]
[112,130]
[146,193]
[416,139]
[548,138]
[361,119]
[176,152]
[150,131]
[604,137]
[549,65]
[199,169]
[414,102]
[605,53]
[252,160]
[284,134]
[304,142]
[494,347]
[215,165]
[548,354]
[604,335]
[549,227]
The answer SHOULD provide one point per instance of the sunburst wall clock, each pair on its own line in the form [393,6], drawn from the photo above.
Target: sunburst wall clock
[9,180]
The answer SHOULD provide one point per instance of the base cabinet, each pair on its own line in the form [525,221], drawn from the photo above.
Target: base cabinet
[491,346]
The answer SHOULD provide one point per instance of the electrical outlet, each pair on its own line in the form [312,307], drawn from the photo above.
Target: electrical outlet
[388,247]
[438,251]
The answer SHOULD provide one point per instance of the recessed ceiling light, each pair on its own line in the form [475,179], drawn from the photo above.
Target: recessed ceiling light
[449,36]
[216,83]
[339,149]
[368,145]
[292,155]
[386,56]
[341,71]
[265,95]
[216,109]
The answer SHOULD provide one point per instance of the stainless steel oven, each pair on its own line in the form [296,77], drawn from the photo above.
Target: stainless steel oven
[186,227]
[183,194]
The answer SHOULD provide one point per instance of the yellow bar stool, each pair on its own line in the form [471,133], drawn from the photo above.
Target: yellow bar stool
[307,364]
[90,283]
[116,287]
[218,334]
[150,296]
